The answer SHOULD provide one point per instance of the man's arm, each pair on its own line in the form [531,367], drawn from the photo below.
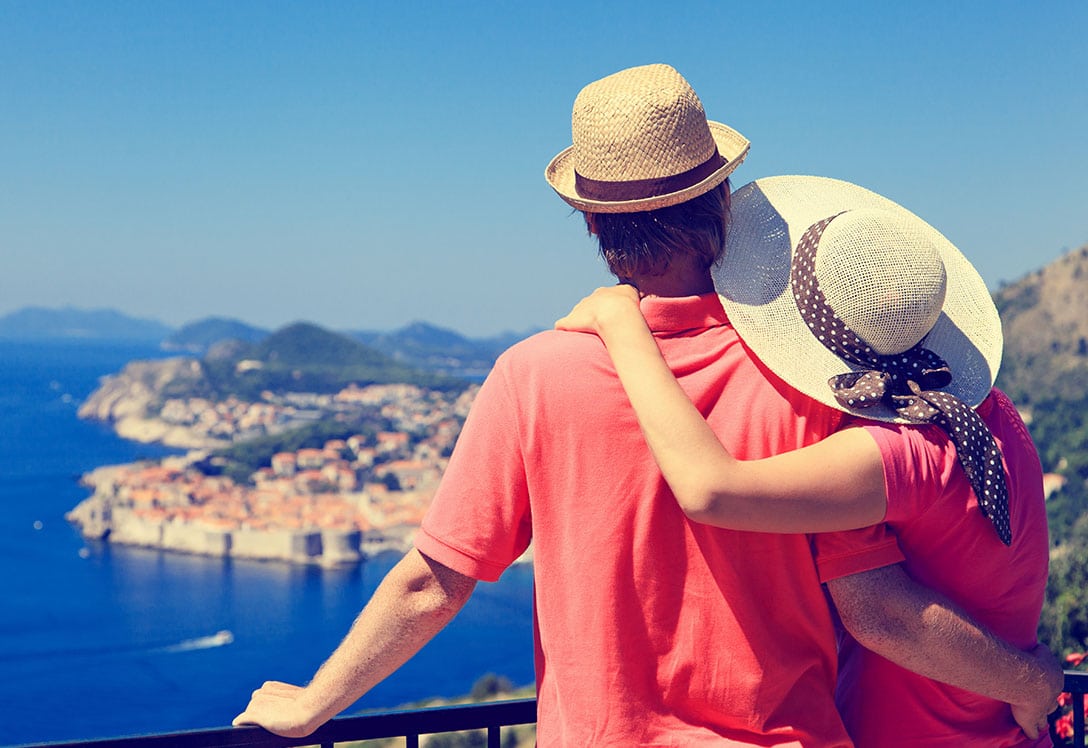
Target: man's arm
[417,598]
[921,630]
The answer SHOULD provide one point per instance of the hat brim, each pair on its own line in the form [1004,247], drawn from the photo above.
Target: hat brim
[768,217]
[732,146]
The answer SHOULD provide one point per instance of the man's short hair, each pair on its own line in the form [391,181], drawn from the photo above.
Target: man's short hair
[645,243]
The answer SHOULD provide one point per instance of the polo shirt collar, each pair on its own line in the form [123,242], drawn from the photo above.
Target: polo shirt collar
[674,314]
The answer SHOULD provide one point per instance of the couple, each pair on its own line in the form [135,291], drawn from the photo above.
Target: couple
[653,629]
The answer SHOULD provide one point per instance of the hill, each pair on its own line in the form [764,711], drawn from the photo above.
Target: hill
[419,345]
[438,349]
[1045,369]
[177,401]
[67,323]
[1045,320]
[304,357]
[197,337]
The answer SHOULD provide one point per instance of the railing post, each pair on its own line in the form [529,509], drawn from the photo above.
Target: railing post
[1078,719]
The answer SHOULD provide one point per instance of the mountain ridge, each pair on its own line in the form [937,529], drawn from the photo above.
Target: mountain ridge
[72,323]
[1044,317]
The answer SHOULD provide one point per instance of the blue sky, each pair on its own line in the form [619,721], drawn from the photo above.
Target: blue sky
[364,165]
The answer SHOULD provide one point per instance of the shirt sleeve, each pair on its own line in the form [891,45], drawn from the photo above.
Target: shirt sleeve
[912,473]
[910,477]
[479,522]
[840,554]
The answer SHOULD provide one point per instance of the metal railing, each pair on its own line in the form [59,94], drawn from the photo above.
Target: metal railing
[491,716]
[410,724]
[1076,685]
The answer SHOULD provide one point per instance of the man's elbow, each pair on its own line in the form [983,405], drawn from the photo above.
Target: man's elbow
[454,597]
[447,590]
[436,591]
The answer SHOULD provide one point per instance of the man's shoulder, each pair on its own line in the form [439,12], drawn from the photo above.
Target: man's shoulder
[551,348]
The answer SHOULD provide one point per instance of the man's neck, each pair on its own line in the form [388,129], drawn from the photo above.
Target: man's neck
[676,282]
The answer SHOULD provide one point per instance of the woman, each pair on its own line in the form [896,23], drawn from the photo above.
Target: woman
[854,301]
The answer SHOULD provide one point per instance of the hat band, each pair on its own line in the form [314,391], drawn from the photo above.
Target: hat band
[638,189]
[907,382]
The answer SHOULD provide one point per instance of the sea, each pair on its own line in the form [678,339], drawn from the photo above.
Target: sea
[101,641]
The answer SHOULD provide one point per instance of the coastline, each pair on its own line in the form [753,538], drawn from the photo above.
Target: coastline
[109,514]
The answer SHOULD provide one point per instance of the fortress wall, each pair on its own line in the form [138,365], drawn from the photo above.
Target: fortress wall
[186,536]
[341,546]
[261,544]
[306,545]
[129,529]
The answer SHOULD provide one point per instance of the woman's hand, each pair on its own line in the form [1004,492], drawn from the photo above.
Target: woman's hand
[601,308]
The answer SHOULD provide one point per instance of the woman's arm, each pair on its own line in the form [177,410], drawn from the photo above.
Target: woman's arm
[836,484]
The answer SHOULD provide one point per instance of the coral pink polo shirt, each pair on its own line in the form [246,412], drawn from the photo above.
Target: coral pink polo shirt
[951,547]
[650,629]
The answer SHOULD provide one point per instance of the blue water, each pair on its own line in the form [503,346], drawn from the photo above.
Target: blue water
[103,641]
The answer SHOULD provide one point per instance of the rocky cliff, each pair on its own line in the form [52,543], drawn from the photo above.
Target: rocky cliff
[131,402]
[1045,319]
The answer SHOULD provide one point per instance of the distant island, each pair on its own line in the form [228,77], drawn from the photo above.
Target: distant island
[70,323]
[419,345]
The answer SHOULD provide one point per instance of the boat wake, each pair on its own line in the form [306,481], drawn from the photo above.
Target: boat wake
[218,639]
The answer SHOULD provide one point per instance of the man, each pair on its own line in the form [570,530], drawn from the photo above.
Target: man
[650,629]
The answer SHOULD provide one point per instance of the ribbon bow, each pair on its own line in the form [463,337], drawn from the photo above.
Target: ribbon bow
[907,382]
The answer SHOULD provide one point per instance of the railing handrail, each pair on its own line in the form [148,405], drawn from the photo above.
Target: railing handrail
[410,724]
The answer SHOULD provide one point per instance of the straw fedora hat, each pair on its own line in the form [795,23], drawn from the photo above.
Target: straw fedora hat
[889,276]
[642,141]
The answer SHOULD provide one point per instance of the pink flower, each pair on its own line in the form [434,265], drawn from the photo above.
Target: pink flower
[1064,726]
[1076,658]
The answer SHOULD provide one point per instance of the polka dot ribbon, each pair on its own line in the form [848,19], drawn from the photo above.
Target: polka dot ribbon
[908,382]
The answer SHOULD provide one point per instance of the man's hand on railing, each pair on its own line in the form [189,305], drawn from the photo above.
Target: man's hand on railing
[413,602]
[279,708]
[1032,716]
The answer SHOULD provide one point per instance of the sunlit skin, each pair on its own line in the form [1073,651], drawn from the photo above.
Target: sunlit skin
[417,598]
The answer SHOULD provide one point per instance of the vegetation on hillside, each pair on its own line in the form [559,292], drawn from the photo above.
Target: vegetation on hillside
[1045,371]
[200,335]
[1060,431]
[240,460]
[489,687]
[299,358]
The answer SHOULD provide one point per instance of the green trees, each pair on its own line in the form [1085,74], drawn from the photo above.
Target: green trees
[1060,430]
[241,460]
[1064,624]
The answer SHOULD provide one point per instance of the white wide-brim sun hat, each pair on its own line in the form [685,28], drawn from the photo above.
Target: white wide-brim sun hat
[769,217]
